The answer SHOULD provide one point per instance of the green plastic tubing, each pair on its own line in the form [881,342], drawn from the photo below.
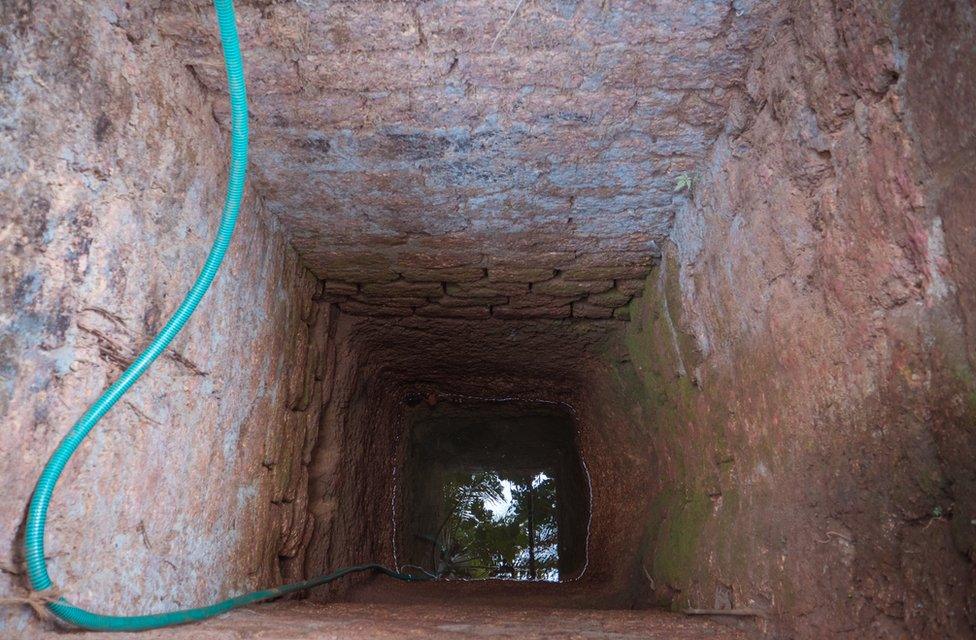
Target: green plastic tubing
[37,514]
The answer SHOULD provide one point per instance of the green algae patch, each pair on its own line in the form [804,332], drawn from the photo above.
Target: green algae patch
[676,545]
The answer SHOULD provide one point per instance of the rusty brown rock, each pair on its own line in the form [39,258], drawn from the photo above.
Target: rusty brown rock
[378,310]
[387,300]
[622,313]
[591,311]
[453,302]
[609,266]
[541,259]
[403,289]
[612,298]
[446,274]
[439,260]
[486,289]
[507,312]
[111,180]
[467,312]
[605,272]
[436,147]
[529,300]
[519,274]
[355,267]
[340,288]
[630,287]
[560,286]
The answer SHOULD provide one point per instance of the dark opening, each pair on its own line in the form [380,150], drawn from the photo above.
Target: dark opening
[492,490]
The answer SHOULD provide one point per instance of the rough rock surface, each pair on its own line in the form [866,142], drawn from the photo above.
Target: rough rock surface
[785,424]
[356,466]
[800,359]
[447,142]
[112,174]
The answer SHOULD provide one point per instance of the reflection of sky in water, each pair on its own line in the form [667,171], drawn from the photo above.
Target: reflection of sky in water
[492,522]
[499,508]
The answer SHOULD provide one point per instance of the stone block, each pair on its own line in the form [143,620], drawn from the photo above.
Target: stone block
[610,299]
[560,286]
[381,311]
[485,289]
[340,288]
[621,265]
[622,258]
[404,289]
[520,274]
[530,300]
[439,259]
[506,312]
[391,301]
[634,286]
[621,272]
[452,302]
[537,259]
[352,267]
[438,311]
[447,274]
[591,312]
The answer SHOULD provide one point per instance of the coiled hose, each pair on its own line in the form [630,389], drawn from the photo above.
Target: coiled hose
[37,514]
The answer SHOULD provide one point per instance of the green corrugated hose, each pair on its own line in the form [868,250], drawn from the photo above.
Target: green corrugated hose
[37,515]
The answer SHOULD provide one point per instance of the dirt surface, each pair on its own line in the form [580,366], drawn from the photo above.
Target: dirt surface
[305,621]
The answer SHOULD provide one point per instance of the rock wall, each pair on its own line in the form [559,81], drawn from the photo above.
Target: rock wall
[382,362]
[351,465]
[790,410]
[112,173]
[410,147]
[803,347]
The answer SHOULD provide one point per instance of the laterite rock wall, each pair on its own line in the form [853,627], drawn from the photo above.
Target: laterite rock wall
[112,174]
[802,354]
[472,158]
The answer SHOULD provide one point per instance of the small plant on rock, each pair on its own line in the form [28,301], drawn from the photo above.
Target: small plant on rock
[683,183]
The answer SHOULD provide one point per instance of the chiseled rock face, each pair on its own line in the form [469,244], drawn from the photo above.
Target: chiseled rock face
[387,135]
[807,328]
[112,174]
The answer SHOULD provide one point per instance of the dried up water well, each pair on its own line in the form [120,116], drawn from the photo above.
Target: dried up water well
[682,292]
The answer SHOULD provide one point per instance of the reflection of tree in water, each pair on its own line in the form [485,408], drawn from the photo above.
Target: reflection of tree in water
[497,526]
